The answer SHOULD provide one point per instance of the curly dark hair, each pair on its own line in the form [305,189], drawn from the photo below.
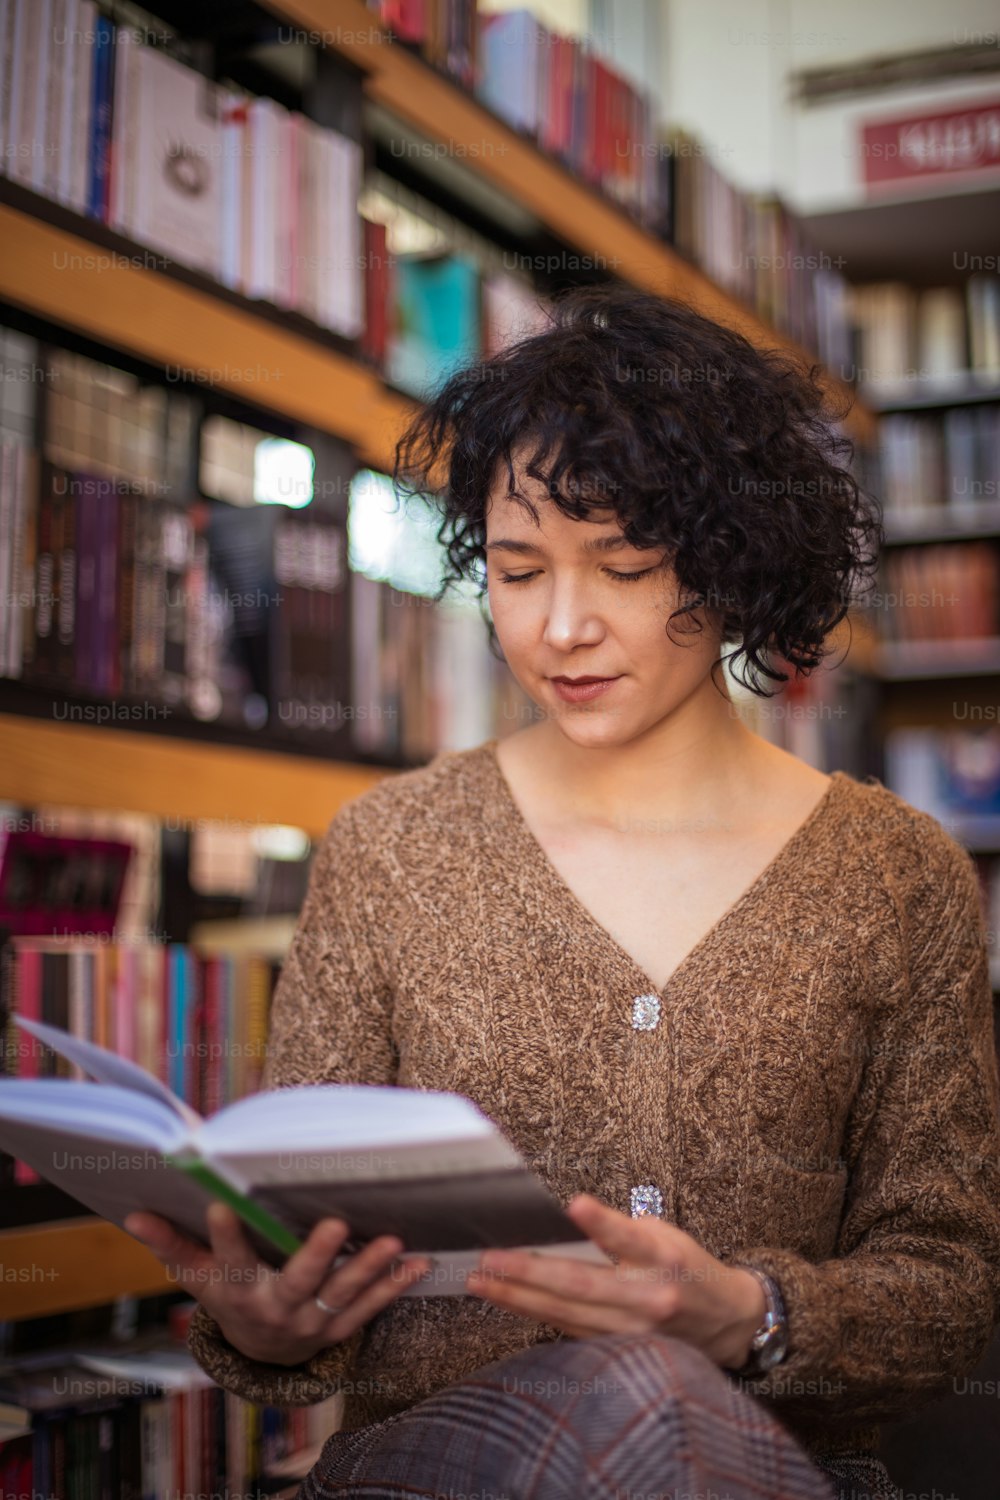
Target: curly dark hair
[723,453]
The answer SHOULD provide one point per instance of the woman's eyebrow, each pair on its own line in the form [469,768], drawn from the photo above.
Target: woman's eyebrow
[612,543]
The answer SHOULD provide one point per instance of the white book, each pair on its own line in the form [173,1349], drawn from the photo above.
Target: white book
[52,87]
[233,129]
[263,196]
[326,244]
[6,75]
[68,42]
[344,295]
[21,107]
[37,133]
[422,1164]
[124,126]
[177,162]
[83,104]
[941,334]
[309,242]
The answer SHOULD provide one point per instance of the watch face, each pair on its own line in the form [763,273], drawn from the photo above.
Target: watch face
[774,1350]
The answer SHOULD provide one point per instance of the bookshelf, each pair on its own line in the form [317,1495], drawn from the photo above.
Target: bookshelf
[179,318]
[441,111]
[86,766]
[50,271]
[80,1263]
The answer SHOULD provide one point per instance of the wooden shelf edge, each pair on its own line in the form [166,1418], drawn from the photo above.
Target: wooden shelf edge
[69,280]
[82,765]
[53,1268]
[445,113]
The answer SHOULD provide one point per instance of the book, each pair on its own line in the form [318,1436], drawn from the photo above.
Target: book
[426,1165]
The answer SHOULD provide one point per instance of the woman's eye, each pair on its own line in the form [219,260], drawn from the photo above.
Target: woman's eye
[626,577]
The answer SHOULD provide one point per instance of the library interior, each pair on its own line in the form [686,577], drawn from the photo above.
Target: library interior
[246,246]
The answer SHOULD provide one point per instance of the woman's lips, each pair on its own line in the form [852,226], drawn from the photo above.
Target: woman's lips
[582,692]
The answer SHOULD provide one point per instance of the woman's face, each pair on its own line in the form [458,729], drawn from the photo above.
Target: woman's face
[563,605]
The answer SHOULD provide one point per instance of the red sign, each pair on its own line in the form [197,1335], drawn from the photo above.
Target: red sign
[923,148]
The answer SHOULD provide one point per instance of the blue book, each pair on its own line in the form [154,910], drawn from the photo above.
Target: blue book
[100,115]
[438,322]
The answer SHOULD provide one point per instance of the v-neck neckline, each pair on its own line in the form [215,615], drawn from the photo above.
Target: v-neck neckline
[521,830]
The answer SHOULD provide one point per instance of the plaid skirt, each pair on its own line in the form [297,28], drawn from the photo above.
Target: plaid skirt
[625,1416]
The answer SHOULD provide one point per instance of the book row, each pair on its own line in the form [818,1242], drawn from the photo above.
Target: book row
[938,463]
[142,1421]
[942,592]
[196,1021]
[266,202]
[936,335]
[234,185]
[245,617]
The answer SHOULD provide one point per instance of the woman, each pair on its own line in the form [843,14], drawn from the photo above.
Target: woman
[736,1013]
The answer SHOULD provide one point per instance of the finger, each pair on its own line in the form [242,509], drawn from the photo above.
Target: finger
[375,1259]
[545,1306]
[640,1290]
[642,1239]
[228,1238]
[302,1272]
[357,1310]
[182,1257]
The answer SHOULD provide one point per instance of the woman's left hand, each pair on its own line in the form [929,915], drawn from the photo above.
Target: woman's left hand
[663,1282]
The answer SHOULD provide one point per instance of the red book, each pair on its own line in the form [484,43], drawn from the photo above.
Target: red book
[406,19]
[376,292]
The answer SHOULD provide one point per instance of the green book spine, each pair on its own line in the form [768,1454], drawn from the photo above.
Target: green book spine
[257,1217]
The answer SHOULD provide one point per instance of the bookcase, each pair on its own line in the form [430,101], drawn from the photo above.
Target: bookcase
[73,272]
[179,317]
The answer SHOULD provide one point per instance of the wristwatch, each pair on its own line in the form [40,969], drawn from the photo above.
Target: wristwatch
[769,1344]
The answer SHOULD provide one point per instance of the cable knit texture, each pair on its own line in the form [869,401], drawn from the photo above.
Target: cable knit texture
[818,1098]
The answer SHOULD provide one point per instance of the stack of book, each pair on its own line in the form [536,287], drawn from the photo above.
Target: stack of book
[424,676]
[253,195]
[947,592]
[753,246]
[574,104]
[445,31]
[939,337]
[198,1022]
[938,465]
[143,1419]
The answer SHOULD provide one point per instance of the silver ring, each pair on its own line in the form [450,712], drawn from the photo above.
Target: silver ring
[326,1308]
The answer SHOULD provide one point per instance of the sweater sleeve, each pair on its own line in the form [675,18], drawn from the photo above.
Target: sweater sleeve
[910,1302]
[330,1022]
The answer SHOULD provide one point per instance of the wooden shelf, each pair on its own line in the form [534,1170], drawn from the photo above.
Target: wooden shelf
[84,766]
[979,519]
[445,113]
[73,1264]
[65,278]
[916,661]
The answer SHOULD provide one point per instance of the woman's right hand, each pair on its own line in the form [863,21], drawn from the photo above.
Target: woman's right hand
[272,1315]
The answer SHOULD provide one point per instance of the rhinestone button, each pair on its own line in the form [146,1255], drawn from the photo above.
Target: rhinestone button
[645,1012]
[647,1199]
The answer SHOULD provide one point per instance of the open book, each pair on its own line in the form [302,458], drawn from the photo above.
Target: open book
[427,1166]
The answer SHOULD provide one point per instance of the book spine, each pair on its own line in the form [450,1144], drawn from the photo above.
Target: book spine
[86,581]
[252,1213]
[101,111]
[66,616]
[108,679]
[83,108]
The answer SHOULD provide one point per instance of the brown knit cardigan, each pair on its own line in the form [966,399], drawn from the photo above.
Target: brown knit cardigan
[815,1093]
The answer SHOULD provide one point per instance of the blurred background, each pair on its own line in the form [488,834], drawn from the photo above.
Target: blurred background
[238,242]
